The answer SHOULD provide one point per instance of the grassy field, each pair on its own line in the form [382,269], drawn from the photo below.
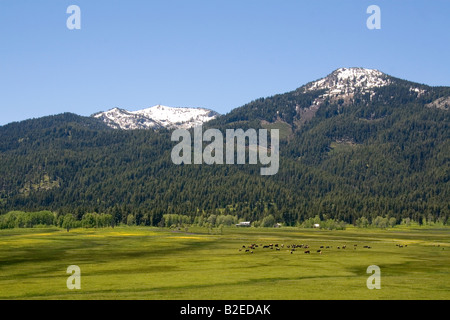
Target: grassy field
[151,263]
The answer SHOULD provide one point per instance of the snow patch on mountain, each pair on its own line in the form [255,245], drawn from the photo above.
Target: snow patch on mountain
[349,80]
[344,83]
[178,117]
[156,117]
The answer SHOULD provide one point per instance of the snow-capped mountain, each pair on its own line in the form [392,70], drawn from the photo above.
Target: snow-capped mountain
[349,80]
[156,117]
[344,83]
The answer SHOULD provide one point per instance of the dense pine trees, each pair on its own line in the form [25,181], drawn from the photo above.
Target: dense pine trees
[388,158]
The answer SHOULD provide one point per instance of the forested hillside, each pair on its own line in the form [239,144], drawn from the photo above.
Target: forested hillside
[380,153]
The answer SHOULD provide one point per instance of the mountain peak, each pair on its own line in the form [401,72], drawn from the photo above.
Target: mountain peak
[348,80]
[155,117]
[355,73]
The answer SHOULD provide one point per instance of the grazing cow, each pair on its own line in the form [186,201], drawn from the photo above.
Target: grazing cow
[307,251]
[319,251]
[338,247]
[321,247]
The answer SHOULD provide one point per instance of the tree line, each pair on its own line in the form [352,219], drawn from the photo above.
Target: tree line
[21,219]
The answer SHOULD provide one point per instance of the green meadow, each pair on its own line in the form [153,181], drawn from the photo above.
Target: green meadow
[197,264]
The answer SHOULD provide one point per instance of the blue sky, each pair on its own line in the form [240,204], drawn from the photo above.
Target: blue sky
[217,54]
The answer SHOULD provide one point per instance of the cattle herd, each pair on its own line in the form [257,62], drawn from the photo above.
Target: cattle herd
[291,248]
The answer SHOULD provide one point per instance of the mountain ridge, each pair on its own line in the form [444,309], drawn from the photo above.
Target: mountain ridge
[367,154]
[156,117]
[335,89]
[336,85]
